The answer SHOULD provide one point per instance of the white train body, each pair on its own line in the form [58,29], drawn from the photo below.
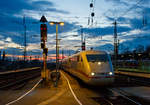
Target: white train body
[93,67]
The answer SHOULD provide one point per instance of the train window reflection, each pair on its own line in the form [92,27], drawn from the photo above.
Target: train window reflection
[97,58]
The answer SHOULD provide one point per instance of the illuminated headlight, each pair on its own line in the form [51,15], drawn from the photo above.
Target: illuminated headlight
[92,74]
[99,63]
[110,73]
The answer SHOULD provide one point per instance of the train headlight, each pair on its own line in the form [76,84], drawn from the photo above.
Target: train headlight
[92,74]
[110,73]
[99,63]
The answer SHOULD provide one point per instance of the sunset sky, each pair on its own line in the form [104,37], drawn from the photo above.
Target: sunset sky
[129,14]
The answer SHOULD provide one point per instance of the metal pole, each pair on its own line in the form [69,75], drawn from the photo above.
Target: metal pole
[24,38]
[81,37]
[115,44]
[44,62]
[56,47]
[0,55]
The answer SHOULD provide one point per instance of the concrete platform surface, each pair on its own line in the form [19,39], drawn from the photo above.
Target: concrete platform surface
[136,74]
[50,95]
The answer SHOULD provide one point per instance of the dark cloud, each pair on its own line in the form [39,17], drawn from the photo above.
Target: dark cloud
[106,47]
[10,7]
[146,11]
[56,10]
[136,23]
[109,18]
[13,26]
[116,2]
[13,51]
[40,3]
[14,6]
[132,44]
[105,31]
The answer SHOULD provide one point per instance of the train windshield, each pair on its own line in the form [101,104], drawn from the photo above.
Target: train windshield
[97,58]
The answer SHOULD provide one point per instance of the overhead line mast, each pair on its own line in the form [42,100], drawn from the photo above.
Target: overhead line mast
[92,14]
[116,42]
[25,39]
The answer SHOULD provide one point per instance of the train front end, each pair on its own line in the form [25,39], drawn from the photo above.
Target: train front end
[101,69]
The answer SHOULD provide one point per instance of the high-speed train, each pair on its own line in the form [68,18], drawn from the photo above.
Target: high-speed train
[92,67]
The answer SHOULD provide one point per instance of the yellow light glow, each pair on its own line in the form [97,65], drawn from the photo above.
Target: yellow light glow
[61,23]
[92,74]
[99,63]
[51,23]
[110,73]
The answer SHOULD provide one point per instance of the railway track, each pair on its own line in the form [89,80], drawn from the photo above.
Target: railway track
[128,99]
[126,81]
[115,96]
[112,96]
[124,98]
[17,79]
[141,82]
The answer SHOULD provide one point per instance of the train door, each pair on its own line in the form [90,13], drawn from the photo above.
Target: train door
[80,62]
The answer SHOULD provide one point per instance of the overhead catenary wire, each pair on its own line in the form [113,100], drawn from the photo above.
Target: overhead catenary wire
[131,8]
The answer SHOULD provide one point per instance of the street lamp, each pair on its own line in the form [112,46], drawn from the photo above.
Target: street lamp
[57,49]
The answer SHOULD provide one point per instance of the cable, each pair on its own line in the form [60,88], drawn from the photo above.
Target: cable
[71,89]
[131,8]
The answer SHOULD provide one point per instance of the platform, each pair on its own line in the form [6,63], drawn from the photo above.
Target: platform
[136,74]
[49,95]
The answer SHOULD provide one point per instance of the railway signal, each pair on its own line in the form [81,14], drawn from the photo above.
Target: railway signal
[115,44]
[43,32]
[83,46]
[43,28]
[82,41]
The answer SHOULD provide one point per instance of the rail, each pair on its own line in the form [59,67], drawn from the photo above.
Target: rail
[125,96]
[19,70]
[11,78]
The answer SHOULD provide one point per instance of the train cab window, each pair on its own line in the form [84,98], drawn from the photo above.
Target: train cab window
[97,57]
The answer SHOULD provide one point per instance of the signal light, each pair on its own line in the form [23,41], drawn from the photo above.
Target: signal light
[91,5]
[43,32]
[83,46]
[92,14]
